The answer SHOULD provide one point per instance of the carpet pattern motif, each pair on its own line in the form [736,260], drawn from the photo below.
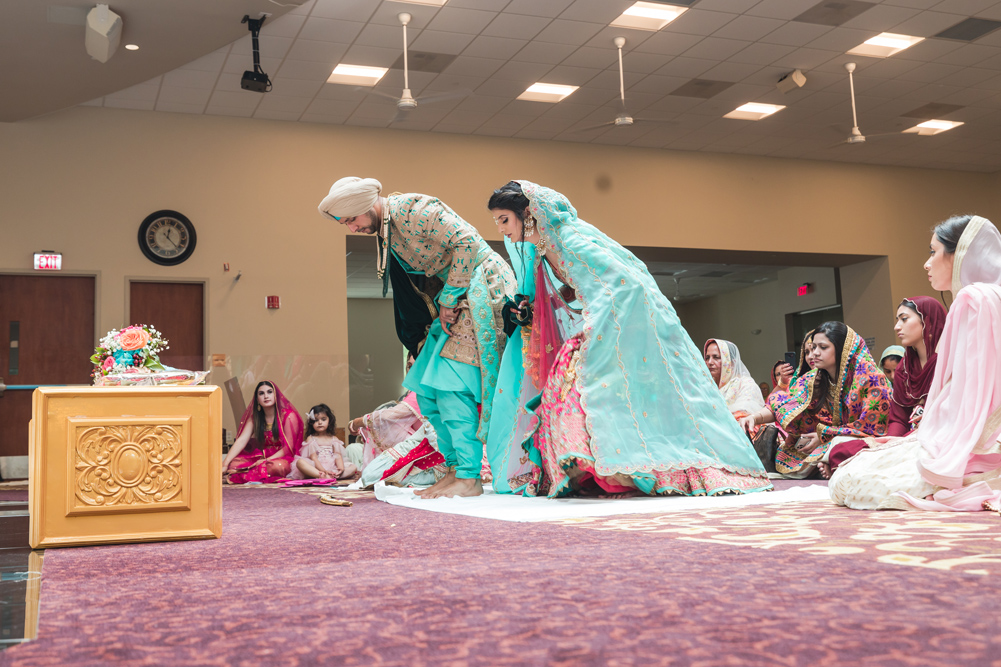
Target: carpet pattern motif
[295,582]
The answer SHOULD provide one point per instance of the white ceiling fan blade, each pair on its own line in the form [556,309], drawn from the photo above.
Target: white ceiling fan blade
[589,128]
[431,98]
[655,120]
[377,92]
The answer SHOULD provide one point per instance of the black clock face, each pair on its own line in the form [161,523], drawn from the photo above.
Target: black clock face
[167,237]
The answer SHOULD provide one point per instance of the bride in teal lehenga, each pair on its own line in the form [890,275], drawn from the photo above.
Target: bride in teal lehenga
[627,402]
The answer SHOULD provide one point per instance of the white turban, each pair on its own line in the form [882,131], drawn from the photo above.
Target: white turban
[349,197]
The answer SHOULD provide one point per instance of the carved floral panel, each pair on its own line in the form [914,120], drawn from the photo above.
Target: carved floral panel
[128,467]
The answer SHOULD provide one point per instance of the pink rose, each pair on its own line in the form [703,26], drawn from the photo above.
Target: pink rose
[108,364]
[133,338]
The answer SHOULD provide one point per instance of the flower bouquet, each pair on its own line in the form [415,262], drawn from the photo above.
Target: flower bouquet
[130,358]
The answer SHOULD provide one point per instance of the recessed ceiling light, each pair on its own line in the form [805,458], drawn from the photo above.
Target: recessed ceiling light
[433,3]
[885,45]
[754,111]
[356,75]
[132,47]
[648,16]
[930,127]
[546,92]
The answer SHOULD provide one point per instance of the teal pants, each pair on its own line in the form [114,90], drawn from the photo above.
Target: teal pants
[455,419]
[448,395]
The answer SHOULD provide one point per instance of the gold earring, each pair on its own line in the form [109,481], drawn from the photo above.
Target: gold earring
[530,224]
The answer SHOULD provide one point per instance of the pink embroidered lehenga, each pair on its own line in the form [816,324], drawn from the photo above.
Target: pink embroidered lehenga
[255,462]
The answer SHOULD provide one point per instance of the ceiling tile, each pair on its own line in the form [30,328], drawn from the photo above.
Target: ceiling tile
[716,48]
[486,46]
[295,87]
[373,56]
[344,10]
[271,47]
[570,76]
[176,95]
[781,9]
[881,18]
[283,26]
[699,22]
[687,68]
[455,19]
[328,30]
[762,54]
[805,59]
[213,62]
[796,34]
[748,27]
[147,92]
[272,102]
[452,43]
[598,58]
[188,78]
[304,69]
[595,11]
[568,32]
[730,71]
[515,25]
[312,50]
[473,67]
[385,36]
[527,73]
[669,43]
[243,99]
[544,53]
[927,24]
[550,8]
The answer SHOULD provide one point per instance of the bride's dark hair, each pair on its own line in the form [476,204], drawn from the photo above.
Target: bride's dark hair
[509,198]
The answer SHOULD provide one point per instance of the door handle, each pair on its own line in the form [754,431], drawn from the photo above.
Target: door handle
[3,387]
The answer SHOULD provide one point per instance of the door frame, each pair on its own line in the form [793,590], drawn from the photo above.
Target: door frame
[204,282]
[83,273]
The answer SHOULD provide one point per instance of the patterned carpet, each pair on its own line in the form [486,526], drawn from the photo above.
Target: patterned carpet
[295,582]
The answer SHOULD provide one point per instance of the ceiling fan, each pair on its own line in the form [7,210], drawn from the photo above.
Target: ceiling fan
[856,136]
[406,102]
[623,119]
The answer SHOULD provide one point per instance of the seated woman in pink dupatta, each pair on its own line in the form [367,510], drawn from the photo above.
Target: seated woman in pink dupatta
[952,461]
[920,321]
[270,436]
[845,396]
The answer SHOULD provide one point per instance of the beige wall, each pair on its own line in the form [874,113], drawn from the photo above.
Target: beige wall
[735,316]
[80,181]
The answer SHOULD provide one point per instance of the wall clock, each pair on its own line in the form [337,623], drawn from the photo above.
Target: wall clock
[167,237]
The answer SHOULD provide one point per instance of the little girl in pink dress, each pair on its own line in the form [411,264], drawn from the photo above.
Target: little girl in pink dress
[322,454]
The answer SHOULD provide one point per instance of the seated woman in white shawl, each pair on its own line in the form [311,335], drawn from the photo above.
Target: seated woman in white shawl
[951,462]
[743,397]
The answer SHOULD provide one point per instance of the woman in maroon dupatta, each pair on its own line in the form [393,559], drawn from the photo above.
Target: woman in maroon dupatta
[270,436]
[920,321]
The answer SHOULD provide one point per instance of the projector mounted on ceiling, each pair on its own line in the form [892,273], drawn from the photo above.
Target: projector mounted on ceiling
[255,79]
[104,33]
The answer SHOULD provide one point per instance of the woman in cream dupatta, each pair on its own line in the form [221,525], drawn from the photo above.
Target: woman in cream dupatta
[743,397]
[951,462]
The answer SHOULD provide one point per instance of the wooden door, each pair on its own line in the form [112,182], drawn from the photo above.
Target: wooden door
[46,337]
[177,310]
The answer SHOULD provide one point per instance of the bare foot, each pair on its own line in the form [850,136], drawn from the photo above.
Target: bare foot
[462,488]
[825,469]
[437,486]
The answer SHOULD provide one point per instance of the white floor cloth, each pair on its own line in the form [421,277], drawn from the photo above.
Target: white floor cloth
[507,507]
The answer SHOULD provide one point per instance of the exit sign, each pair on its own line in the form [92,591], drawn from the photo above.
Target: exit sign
[804,289]
[48,261]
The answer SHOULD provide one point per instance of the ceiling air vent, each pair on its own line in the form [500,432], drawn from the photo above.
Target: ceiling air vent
[834,12]
[702,88]
[422,61]
[969,30]
[932,110]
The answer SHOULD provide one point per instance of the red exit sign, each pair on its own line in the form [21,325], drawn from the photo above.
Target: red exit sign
[804,289]
[273,302]
[48,261]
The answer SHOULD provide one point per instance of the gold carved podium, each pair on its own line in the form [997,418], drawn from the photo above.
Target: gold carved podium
[124,464]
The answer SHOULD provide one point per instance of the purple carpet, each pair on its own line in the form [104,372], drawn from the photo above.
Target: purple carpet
[295,582]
